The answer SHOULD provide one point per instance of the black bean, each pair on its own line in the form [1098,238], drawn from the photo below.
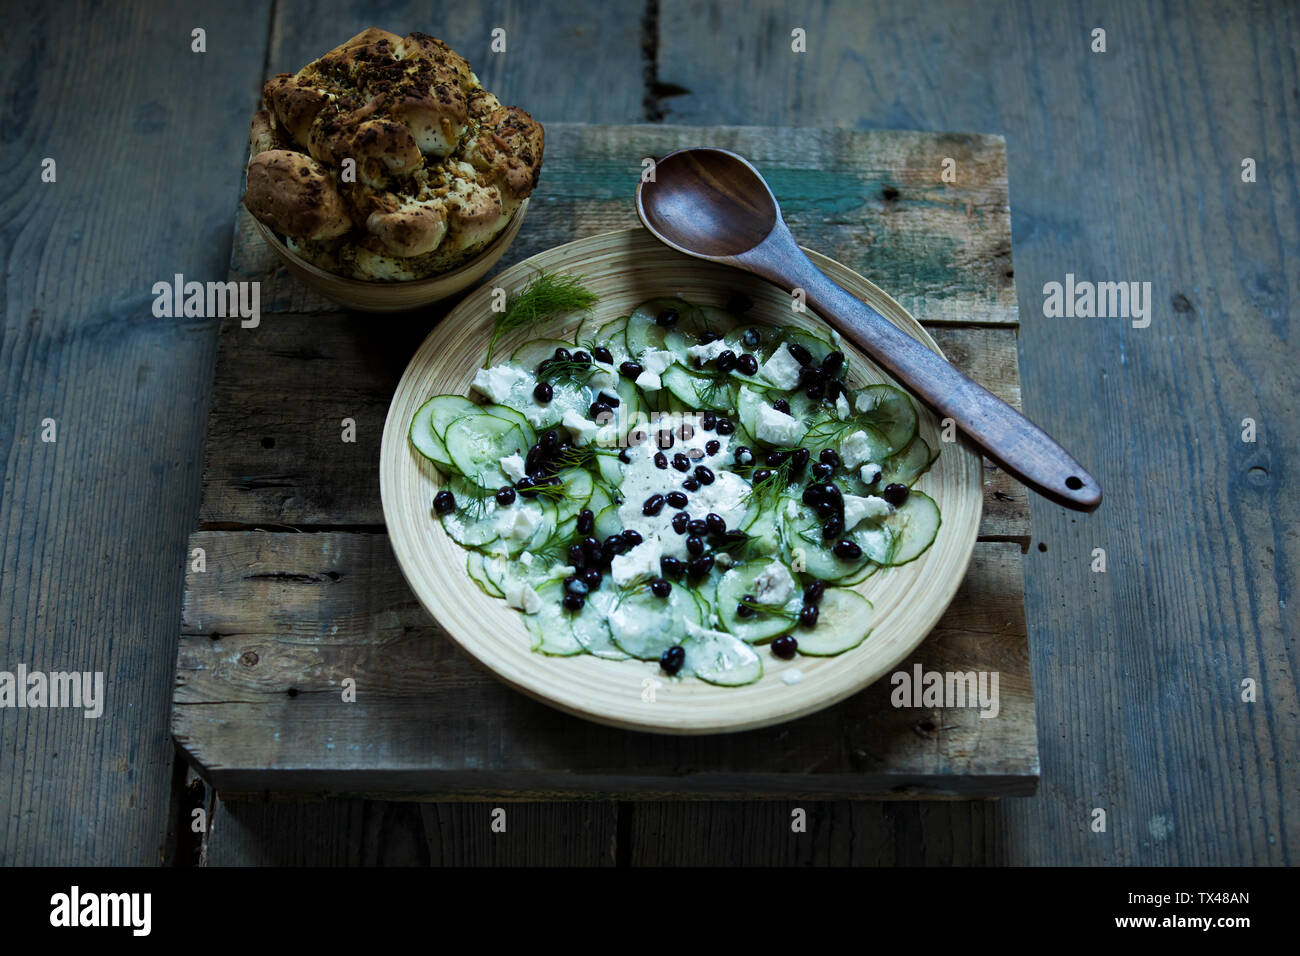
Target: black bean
[591,548]
[591,576]
[691,484]
[680,521]
[822,471]
[543,393]
[547,443]
[743,456]
[624,457]
[681,462]
[846,550]
[543,367]
[444,502]
[575,585]
[761,474]
[603,354]
[782,406]
[661,588]
[505,496]
[830,456]
[708,421]
[695,545]
[677,499]
[726,360]
[746,364]
[630,369]
[833,528]
[801,354]
[672,659]
[665,439]
[573,602]
[712,446]
[704,475]
[715,523]
[774,458]
[598,409]
[895,493]
[811,375]
[833,389]
[667,318]
[577,557]
[833,362]
[815,391]
[653,505]
[812,594]
[611,400]
[661,460]
[785,646]
[824,509]
[671,566]
[812,495]
[586,522]
[685,432]
[743,609]
[582,357]
[562,355]
[831,492]
[798,461]
[632,537]
[725,427]
[808,615]
[752,337]
[701,565]
[698,527]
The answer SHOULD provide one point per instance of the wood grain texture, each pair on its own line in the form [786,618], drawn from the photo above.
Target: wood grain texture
[275,455]
[942,250]
[279,620]
[1125,166]
[393,833]
[145,135]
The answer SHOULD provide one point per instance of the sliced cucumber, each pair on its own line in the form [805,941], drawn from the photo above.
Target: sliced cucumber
[642,331]
[477,442]
[551,626]
[803,539]
[473,522]
[645,626]
[908,465]
[591,627]
[608,522]
[578,487]
[719,658]
[431,419]
[890,411]
[904,535]
[762,625]
[532,353]
[474,566]
[843,622]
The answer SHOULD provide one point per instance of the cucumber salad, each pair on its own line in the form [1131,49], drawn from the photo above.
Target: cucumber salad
[681,486]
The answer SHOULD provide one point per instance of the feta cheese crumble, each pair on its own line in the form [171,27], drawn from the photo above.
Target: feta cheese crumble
[782,369]
[497,382]
[857,510]
[641,562]
[774,585]
[870,472]
[856,449]
[581,428]
[513,466]
[707,353]
[522,597]
[792,676]
[842,407]
[777,428]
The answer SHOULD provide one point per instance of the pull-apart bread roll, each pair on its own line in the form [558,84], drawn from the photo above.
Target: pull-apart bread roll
[385,159]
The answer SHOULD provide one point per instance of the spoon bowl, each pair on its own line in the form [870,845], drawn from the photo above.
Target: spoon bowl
[714,205]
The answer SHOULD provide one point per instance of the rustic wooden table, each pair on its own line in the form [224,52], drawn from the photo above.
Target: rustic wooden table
[1123,165]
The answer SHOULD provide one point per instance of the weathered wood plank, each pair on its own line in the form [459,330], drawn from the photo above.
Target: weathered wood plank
[145,135]
[275,455]
[872,200]
[278,621]
[394,833]
[1126,166]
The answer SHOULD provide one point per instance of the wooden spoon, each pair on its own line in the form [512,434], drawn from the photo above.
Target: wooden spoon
[714,205]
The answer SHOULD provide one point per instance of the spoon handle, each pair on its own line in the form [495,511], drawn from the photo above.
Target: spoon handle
[1006,436]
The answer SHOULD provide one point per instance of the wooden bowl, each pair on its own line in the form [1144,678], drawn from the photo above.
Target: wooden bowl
[626,268]
[366,296]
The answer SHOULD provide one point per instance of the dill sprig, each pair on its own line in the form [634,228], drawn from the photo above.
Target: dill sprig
[568,372]
[549,294]
[777,610]
[763,492]
[576,456]
[472,500]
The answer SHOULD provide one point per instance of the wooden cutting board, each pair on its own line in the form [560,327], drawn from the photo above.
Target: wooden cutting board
[292,588]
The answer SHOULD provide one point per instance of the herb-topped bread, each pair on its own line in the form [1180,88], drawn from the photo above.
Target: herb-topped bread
[386,160]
